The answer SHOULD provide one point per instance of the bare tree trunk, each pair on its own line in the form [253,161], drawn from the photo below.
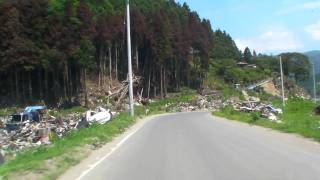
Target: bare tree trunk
[70,82]
[65,82]
[99,75]
[100,67]
[110,64]
[165,82]
[23,87]
[116,63]
[137,59]
[161,82]
[16,76]
[104,71]
[154,84]
[46,84]
[149,84]
[12,93]
[40,84]
[85,87]
[30,85]
[56,86]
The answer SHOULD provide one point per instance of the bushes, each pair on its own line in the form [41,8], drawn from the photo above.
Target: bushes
[231,73]
[255,116]
[298,118]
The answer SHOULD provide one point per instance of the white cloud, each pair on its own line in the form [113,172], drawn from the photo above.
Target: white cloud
[272,39]
[311,5]
[293,8]
[314,30]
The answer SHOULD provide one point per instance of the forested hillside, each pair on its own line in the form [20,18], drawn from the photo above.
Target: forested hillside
[49,48]
[314,57]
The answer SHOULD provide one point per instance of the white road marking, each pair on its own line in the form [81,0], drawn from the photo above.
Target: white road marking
[92,166]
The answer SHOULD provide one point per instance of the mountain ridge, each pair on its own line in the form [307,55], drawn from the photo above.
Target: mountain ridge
[314,57]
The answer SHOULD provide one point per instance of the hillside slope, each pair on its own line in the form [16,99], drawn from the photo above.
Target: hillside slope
[314,57]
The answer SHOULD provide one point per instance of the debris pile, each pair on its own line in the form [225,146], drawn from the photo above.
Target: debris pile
[207,99]
[34,127]
[113,94]
[254,104]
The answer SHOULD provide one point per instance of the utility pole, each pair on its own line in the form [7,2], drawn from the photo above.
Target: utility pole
[282,84]
[131,107]
[314,84]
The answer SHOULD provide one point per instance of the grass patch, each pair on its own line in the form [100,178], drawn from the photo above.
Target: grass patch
[69,148]
[4,112]
[66,111]
[298,117]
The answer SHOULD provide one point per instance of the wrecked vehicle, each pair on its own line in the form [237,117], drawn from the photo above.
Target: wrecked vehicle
[274,110]
[100,116]
[35,127]
[19,120]
[32,114]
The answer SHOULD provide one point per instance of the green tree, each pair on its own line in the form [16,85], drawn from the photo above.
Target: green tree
[247,56]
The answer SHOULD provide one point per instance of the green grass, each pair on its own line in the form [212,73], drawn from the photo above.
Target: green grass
[7,111]
[70,150]
[66,111]
[298,118]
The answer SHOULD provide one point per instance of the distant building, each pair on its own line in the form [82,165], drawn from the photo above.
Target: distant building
[252,65]
[245,64]
[242,64]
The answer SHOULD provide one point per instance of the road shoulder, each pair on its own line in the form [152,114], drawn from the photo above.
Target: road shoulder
[96,156]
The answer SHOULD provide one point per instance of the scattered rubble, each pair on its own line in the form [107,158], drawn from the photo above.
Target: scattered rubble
[112,93]
[34,127]
[254,104]
[207,99]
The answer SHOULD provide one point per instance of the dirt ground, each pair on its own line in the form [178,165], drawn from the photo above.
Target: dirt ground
[270,88]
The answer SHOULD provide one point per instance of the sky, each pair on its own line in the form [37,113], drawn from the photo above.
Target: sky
[267,26]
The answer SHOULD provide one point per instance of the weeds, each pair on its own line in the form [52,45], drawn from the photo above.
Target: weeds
[67,151]
[298,118]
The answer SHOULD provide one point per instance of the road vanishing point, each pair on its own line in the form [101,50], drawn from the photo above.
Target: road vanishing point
[198,146]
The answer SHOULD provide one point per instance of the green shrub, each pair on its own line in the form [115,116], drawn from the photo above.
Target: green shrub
[255,116]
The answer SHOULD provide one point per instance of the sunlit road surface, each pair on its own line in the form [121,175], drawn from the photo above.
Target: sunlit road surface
[197,146]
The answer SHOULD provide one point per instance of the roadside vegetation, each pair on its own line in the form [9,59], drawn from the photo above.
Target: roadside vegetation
[7,111]
[48,162]
[68,44]
[298,117]
[51,49]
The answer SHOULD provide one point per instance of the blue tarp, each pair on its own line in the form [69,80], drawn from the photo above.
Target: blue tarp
[34,108]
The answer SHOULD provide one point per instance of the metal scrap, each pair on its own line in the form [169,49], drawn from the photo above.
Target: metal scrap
[254,104]
[31,133]
[100,116]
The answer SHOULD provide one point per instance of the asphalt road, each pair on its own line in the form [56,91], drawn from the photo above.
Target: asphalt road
[197,146]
